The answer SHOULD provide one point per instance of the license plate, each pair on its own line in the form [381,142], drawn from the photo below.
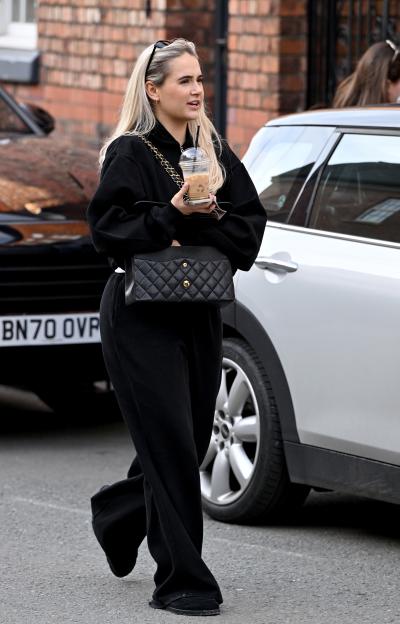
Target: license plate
[49,329]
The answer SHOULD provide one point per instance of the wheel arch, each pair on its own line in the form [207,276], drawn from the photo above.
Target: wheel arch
[240,322]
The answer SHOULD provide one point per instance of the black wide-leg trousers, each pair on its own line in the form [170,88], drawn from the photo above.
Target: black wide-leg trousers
[164,362]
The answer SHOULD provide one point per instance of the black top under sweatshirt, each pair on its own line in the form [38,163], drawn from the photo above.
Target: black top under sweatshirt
[131,212]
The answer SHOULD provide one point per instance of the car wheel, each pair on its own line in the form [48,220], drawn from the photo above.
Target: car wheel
[243,476]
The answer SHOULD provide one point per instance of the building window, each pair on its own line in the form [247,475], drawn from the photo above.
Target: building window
[18,29]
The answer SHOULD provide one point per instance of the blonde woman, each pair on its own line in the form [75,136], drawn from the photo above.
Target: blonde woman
[164,360]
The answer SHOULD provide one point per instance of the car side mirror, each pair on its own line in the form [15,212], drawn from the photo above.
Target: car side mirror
[41,117]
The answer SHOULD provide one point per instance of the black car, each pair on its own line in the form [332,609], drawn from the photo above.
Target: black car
[51,278]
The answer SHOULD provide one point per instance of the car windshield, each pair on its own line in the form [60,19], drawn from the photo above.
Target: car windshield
[10,122]
[279,160]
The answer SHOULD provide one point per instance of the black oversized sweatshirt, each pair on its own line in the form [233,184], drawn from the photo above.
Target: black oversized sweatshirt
[131,212]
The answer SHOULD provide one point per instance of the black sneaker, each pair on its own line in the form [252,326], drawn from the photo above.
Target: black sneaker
[189,605]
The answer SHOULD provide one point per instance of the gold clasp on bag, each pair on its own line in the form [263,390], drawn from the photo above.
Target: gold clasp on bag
[186,283]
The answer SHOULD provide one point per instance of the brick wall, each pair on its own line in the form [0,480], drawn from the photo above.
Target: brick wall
[87,55]
[88,52]
[267,54]
[89,47]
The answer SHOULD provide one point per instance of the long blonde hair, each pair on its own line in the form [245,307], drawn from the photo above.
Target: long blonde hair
[137,115]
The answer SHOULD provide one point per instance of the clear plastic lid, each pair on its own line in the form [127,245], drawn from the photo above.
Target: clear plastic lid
[194,154]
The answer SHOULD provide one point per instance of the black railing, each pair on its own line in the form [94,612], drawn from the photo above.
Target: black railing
[339,32]
[220,82]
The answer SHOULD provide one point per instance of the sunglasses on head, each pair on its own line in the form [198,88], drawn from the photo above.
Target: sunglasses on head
[162,43]
[395,48]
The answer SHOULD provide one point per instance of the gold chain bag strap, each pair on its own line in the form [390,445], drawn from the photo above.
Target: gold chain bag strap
[195,274]
[217,213]
[165,163]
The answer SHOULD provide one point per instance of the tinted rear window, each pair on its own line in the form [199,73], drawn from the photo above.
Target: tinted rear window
[10,123]
[359,191]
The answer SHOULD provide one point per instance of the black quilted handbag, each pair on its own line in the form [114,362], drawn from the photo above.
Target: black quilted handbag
[175,274]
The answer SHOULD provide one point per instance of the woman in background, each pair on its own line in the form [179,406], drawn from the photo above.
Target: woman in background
[376,79]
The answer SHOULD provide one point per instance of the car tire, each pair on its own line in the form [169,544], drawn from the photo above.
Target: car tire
[244,478]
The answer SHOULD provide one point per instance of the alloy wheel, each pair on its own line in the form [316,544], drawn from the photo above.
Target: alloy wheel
[232,454]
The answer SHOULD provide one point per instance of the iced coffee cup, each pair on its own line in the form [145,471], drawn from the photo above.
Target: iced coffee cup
[195,167]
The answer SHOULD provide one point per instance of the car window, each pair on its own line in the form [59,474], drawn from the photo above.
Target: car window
[359,190]
[279,160]
[10,123]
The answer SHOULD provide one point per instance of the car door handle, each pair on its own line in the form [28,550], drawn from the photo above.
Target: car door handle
[276,264]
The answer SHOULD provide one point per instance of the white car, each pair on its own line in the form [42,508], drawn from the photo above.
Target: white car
[310,392]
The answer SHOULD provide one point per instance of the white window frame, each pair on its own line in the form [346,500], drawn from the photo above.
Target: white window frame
[19,35]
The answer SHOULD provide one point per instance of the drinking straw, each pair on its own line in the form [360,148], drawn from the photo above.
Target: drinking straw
[196,141]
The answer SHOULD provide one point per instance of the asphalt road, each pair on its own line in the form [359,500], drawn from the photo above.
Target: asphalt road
[336,561]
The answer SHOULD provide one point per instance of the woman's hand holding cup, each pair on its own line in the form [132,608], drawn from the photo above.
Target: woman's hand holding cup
[186,208]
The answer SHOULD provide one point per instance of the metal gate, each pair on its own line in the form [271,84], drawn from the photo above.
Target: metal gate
[339,32]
